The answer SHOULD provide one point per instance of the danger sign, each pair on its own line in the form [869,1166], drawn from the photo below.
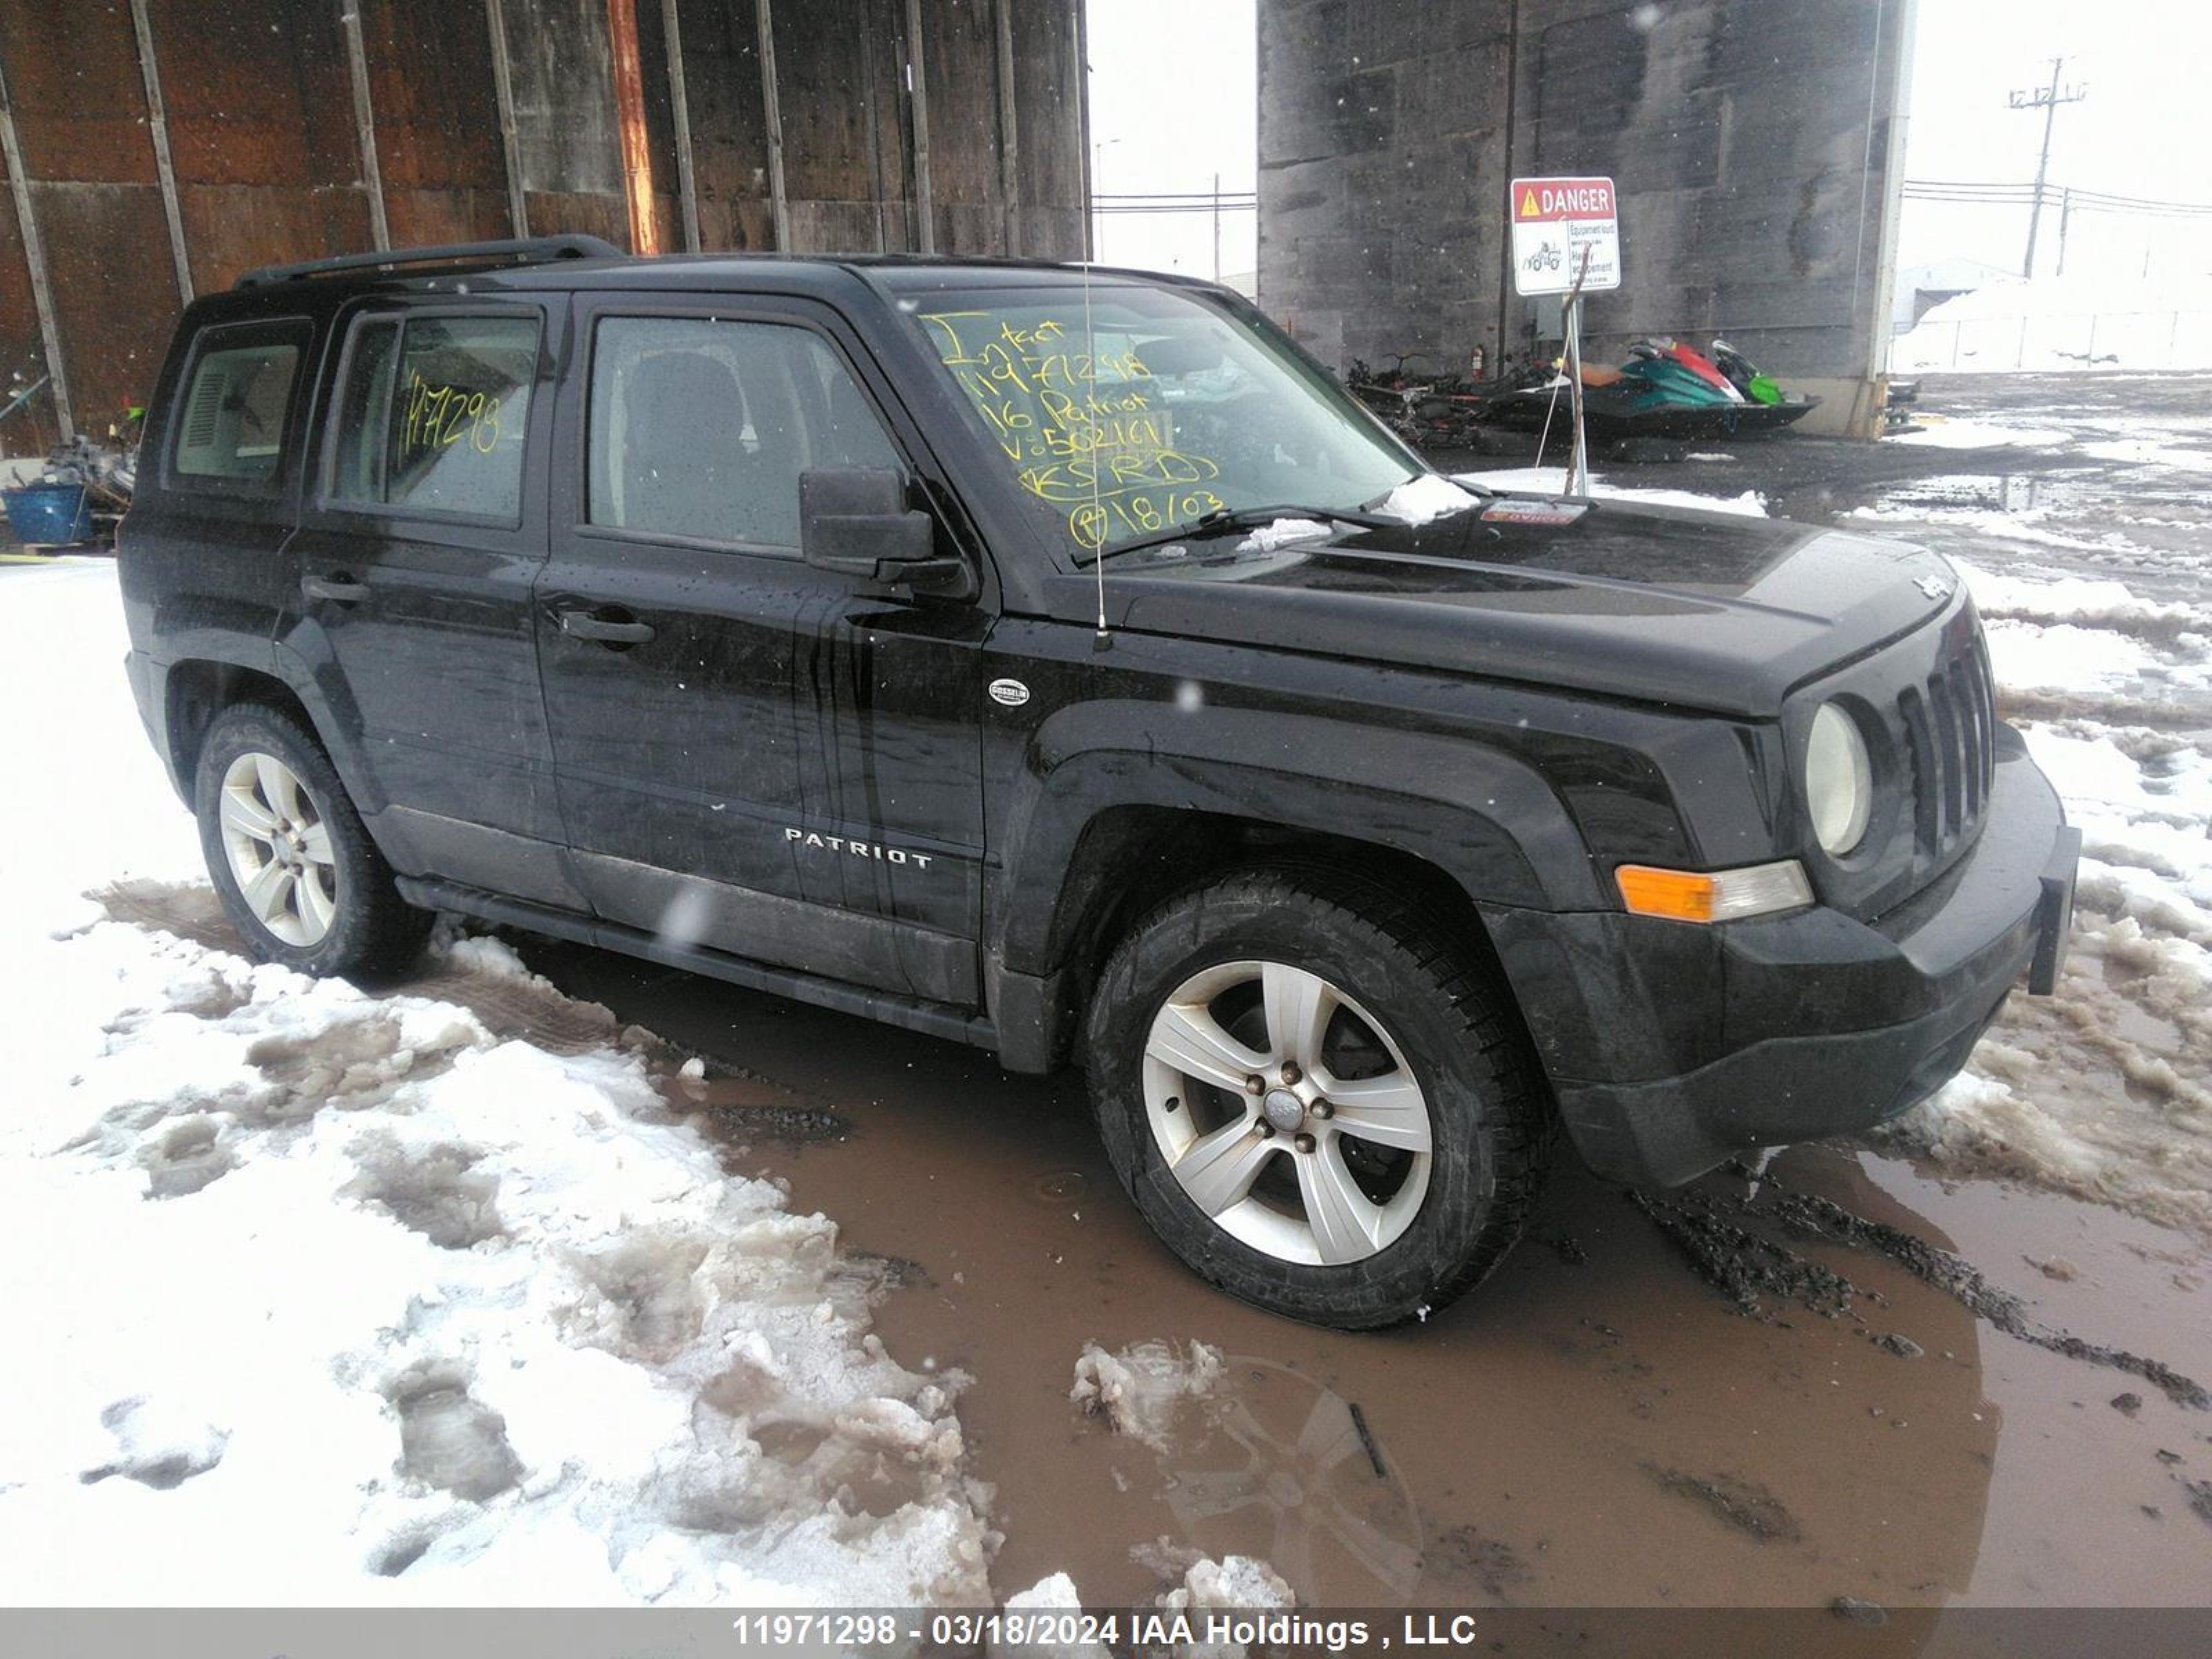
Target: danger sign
[1564,229]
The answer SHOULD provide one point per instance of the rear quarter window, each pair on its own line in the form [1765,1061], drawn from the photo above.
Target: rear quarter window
[432,416]
[234,420]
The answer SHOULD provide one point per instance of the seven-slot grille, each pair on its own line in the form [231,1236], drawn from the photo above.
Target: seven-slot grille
[1950,729]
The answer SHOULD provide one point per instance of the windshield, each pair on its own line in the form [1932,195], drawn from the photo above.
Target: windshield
[1165,405]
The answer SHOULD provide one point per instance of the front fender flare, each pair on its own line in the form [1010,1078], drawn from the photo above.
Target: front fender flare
[1486,818]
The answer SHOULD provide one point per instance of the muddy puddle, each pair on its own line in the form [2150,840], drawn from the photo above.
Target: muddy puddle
[1921,1393]
[1826,1377]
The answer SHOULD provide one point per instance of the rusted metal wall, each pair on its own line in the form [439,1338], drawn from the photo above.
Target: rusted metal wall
[437,128]
[271,137]
[261,126]
[570,147]
[829,180]
[31,429]
[1049,102]
[91,188]
[729,122]
[960,53]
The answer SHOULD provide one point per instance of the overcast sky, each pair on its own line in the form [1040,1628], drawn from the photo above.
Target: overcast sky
[2142,131]
[1173,101]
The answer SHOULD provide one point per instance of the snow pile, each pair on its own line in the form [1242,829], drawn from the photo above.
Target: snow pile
[2054,323]
[2103,1089]
[1210,1591]
[2079,600]
[1140,1390]
[1234,1583]
[1940,431]
[2092,649]
[1551,481]
[1427,495]
[332,1299]
[1283,532]
[1056,1594]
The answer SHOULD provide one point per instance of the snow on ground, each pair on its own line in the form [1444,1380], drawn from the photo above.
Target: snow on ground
[2103,1089]
[1140,1390]
[2055,323]
[1940,431]
[346,1282]
[1552,481]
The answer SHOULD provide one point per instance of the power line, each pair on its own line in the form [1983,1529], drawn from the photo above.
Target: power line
[2010,194]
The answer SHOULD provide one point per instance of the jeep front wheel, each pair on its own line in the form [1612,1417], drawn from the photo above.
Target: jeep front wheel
[1320,1101]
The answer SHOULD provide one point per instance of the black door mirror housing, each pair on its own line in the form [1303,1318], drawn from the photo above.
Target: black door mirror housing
[855,521]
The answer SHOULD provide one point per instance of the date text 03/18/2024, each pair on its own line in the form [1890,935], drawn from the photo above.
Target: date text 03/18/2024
[1046,1628]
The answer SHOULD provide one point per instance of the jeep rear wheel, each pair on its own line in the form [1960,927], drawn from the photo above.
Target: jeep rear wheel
[291,861]
[1321,1102]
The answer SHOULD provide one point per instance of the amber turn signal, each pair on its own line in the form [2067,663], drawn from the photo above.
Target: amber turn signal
[1716,896]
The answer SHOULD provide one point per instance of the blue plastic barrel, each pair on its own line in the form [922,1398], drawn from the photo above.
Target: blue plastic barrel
[49,515]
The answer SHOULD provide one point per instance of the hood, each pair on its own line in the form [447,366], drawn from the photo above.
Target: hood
[1710,610]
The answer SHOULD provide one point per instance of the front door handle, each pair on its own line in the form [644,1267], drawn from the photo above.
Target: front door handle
[338,587]
[607,631]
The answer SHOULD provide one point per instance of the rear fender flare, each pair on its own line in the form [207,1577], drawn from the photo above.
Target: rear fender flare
[278,662]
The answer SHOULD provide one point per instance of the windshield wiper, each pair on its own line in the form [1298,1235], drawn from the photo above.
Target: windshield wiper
[1224,519]
[1251,518]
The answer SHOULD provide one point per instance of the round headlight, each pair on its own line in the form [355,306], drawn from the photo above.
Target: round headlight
[1838,780]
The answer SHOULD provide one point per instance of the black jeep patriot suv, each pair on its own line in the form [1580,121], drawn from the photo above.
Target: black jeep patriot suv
[1062,663]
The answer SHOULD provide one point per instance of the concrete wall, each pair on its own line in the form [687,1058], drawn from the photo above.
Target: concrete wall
[1754,144]
[282,146]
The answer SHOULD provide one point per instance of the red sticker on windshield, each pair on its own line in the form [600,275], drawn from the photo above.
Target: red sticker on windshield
[1534,512]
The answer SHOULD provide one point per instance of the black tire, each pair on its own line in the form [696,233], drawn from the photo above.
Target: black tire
[1451,1018]
[372,933]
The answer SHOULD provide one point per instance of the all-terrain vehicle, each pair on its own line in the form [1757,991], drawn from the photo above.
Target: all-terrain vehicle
[1062,662]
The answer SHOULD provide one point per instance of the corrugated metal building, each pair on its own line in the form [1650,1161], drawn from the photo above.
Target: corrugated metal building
[157,148]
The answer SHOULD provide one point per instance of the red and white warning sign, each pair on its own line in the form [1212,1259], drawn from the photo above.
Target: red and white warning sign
[1556,223]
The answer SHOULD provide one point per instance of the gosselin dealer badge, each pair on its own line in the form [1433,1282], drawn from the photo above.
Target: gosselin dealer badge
[1548,513]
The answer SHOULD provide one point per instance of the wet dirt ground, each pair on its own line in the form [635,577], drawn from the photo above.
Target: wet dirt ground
[1830,1377]
[1619,1417]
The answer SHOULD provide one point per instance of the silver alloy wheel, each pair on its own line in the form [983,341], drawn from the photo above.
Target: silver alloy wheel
[279,849]
[1222,1111]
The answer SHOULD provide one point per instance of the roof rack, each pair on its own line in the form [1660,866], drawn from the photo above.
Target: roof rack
[530,250]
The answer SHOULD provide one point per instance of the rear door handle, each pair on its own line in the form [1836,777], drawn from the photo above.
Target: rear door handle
[338,587]
[607,631]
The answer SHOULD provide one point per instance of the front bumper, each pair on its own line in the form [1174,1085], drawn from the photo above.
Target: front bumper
[1671,1047]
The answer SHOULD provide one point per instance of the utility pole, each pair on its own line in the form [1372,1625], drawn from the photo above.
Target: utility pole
[2046,99]
[1217,227]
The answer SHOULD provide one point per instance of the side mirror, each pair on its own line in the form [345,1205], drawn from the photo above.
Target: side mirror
[855,521]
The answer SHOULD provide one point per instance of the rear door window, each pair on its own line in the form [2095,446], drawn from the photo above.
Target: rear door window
[700,427]
[433,413]
[234,421]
